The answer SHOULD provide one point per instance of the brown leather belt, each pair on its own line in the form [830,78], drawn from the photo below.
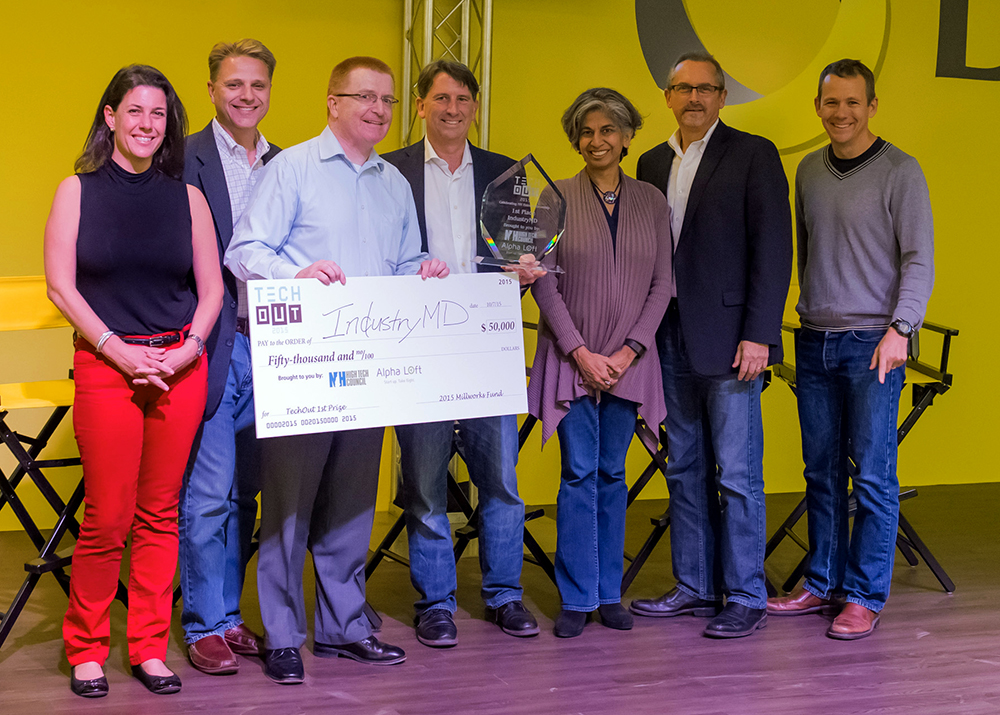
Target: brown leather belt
[243,326]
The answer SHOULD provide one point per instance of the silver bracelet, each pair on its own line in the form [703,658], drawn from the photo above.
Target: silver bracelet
[105,336]
[201,343]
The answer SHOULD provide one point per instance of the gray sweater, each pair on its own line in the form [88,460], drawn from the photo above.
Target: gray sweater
[865,241]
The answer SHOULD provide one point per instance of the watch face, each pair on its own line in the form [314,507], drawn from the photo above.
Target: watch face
[903,328]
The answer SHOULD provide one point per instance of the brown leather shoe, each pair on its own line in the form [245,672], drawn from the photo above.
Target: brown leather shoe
[211,655]
[242,640]
[854,622]
[800,602]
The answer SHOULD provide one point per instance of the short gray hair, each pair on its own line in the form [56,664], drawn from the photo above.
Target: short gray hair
[720,76]
[614,104]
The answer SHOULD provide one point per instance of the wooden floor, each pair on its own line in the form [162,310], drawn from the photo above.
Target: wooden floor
[933,652]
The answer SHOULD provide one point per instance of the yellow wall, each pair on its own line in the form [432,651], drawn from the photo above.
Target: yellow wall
[64,53]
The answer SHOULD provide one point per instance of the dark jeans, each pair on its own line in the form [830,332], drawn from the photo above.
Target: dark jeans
[590,511]
[715,441]
[491,456]
[846,413]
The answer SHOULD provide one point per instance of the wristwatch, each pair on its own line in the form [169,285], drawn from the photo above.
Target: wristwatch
[199,341]
[902,327]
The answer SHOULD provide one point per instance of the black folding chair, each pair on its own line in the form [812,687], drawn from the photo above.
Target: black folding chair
[24,306]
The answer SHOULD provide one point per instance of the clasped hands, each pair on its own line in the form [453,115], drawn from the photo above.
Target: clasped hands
[600,372]
[150,366]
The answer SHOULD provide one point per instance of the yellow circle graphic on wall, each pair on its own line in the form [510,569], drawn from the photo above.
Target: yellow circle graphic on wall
[858,29]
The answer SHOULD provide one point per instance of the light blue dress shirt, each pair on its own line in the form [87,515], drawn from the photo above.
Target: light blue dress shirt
[312,203]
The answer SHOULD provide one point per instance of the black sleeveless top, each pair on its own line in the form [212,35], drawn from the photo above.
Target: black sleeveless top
[133,251]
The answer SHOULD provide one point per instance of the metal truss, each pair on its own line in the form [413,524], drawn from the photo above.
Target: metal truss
[460,30]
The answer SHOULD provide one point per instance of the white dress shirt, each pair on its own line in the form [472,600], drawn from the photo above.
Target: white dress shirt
[241,176]
[450,210]
[682,172]
[311,203]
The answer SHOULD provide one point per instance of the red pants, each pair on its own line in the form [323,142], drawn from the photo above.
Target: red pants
[134,444]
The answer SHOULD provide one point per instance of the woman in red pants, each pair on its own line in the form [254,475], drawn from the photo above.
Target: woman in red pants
[131,261]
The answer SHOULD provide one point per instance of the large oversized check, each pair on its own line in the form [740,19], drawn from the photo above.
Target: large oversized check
[384,351]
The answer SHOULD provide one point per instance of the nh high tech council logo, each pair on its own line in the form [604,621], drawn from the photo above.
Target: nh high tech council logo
[860,31]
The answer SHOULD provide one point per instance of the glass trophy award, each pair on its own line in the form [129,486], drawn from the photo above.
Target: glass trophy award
[522,217]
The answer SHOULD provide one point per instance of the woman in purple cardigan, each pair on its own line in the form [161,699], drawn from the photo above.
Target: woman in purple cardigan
[596,364]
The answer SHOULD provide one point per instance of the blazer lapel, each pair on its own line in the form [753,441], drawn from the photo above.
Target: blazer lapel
[412,169]
[213,179]
[709,162]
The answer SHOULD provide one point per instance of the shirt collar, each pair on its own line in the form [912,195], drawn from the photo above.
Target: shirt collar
[226,140]
[675,140]
[431,157]
[330,148]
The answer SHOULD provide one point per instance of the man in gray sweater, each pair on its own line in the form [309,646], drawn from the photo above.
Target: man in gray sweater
[866,269]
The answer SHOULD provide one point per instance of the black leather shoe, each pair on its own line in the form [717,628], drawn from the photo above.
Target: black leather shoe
[96,688]
[569,624]
[371,650]
[736,621]
[674,603]
[614,615]
[157,684]
[284,666]
[514,619]
[436,628]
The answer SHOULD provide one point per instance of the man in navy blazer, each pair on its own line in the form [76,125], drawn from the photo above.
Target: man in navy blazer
[218,507]
[731,225]
[448,177]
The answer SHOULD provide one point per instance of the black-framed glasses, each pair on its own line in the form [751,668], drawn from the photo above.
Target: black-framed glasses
[705,90]
[370,98]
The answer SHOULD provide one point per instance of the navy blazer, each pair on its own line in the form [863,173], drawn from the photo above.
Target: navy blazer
[733,262]
[203,169]
[486,166]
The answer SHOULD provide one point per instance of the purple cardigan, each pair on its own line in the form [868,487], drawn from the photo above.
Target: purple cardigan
[600,301]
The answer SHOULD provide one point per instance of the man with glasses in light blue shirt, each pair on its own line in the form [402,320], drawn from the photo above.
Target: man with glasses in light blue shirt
[328,208]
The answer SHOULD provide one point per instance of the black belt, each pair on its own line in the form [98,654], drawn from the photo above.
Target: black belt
[243,326]
[154,341]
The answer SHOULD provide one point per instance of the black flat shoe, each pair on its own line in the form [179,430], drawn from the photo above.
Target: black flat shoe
[370,650]
[284,666]
[96,688]
[436,628]
[569,624]
[614,615]
[736,621]
[514,619]
[157,684]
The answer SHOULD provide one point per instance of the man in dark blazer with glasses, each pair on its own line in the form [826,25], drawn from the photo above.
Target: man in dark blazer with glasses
[731,225]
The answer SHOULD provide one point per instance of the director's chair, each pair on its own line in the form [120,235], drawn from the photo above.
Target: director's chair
[927,381]
[24,306]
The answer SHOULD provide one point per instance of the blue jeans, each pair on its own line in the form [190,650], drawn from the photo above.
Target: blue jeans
[715,443]
[218,507]
[490,446]
[845,413]
[590,510]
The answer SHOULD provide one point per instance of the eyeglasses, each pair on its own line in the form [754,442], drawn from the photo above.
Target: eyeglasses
[706,90]
[369,98]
